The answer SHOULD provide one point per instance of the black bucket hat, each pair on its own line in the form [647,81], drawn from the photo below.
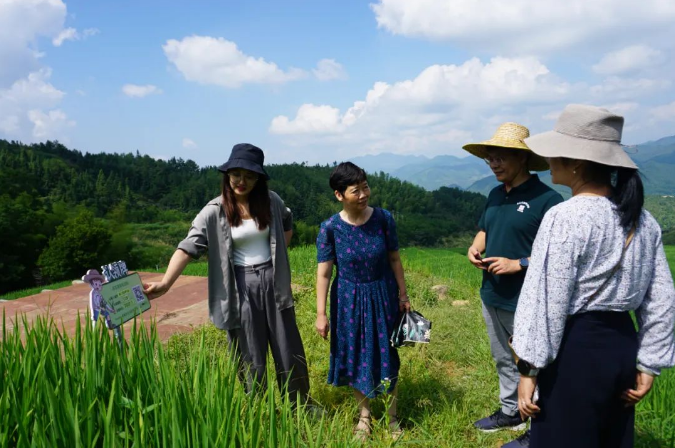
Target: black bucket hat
[246,156]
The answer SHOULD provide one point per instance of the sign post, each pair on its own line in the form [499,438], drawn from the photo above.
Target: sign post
[117,296]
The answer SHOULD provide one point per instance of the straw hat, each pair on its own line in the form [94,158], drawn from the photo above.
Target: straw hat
[584,133]
[510,136]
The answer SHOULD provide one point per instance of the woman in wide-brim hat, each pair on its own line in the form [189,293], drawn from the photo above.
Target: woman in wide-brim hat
[596,257]
[245,231]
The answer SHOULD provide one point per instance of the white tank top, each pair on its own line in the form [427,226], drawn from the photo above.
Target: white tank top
[251,245]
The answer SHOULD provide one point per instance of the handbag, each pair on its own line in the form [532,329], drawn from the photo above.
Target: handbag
[411,328]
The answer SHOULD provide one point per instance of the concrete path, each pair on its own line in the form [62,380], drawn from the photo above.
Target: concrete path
[182,308]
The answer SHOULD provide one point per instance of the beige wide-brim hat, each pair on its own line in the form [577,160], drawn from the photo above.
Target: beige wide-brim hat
[509,136]
[584,133]
[92,274]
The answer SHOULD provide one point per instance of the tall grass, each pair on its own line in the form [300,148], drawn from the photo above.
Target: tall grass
[57,391]
[30,291]
[80,391]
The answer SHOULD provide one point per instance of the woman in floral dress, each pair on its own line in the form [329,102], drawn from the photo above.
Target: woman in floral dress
[366,296]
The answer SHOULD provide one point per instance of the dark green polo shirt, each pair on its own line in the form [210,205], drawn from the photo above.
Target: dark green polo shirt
[510,221]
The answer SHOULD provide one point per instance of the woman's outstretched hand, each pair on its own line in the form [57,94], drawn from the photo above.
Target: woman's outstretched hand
[322,326]
[155,289]
[643,384]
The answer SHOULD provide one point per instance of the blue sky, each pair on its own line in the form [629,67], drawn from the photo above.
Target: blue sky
[320,81]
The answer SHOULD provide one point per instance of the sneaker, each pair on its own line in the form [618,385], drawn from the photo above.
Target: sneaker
[521,442]
[498,421]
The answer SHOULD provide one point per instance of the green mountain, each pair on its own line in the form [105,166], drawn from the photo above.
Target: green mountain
[49,193]
[485,185]
[655,159]
[650,150]
[429,173]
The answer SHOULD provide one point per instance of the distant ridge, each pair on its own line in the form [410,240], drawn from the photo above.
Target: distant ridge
[656,160]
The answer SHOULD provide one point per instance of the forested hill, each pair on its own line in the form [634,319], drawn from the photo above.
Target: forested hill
[44,187]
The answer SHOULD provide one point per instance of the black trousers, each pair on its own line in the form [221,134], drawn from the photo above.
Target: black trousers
[580,392]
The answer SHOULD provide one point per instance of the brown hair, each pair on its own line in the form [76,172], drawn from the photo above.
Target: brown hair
[258,203]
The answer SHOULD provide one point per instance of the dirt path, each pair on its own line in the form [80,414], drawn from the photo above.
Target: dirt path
[182,308]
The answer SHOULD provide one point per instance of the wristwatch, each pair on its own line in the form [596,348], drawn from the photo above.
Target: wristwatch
[524,263]
[526,369]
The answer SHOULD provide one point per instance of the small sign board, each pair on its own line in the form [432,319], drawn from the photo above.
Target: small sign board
[126,299]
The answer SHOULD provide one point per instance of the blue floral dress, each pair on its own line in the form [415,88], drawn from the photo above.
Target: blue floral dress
[363,302]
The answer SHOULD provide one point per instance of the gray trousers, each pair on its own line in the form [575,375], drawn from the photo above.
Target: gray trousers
[499,324]
[263,325]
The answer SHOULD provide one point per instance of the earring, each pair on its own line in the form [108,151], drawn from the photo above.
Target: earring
[574,172]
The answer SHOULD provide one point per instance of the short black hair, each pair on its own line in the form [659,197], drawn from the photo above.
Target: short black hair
[346,174]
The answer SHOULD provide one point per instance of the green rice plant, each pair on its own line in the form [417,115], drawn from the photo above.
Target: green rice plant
[670,255]
[82,391]
[85,390]
[656,412]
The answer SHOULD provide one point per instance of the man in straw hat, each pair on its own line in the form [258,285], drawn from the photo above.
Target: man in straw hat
[508,226]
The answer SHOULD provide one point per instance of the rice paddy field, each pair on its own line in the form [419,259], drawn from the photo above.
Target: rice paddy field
[84,391]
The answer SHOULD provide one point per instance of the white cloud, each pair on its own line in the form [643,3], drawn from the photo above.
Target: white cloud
[436,112]
[309,119]
[189,144]
[64,35]
[621,108]
[28,110]
[209,60]
[551,116]
[136,91]
[22,22]
[628,88]
[628,59]
[88,32]
[28,101]
[73,34]
[329,69]
[665,112]
[525,26]
[51,125]
[435,91]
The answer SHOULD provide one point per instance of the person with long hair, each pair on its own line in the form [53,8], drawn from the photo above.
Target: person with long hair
[246,231]
[367,295]
[596,257]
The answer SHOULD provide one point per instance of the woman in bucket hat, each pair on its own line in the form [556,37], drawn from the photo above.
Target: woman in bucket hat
[596,257]
[246,231]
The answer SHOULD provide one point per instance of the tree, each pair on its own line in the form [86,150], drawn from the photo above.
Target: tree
[21,239]
[78,245]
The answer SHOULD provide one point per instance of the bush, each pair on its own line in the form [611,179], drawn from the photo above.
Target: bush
[80,243]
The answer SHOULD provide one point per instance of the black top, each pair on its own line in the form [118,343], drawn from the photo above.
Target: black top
[510,221]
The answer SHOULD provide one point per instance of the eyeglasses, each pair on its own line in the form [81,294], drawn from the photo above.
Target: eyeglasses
[236,176]
[494,160]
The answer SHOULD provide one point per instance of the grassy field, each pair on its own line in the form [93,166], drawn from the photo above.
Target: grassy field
[670,254]
[183,393]
[30,291]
